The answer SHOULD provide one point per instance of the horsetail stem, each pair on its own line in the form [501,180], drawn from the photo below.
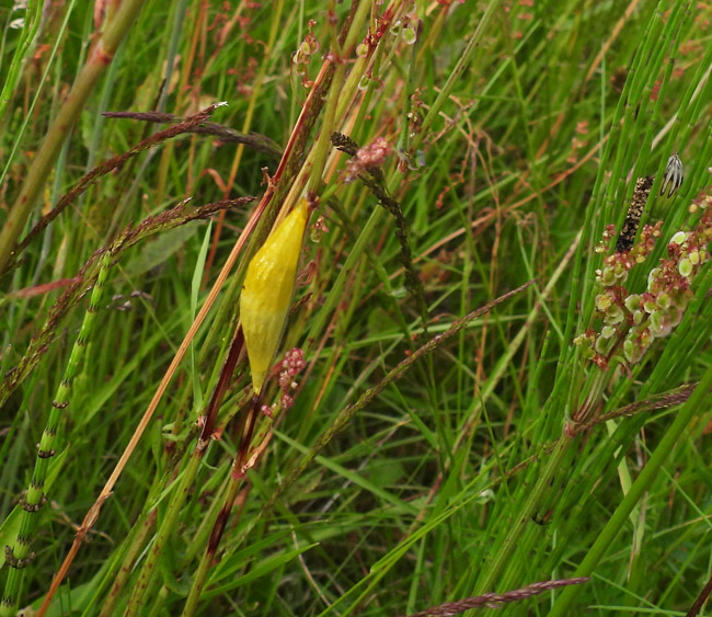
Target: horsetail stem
[18,554]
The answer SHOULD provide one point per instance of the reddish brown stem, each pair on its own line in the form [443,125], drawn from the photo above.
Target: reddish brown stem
[233,355]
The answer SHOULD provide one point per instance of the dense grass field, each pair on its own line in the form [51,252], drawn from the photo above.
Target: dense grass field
[470,364]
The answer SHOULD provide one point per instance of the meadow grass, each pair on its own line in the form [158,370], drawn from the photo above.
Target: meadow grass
[467,399]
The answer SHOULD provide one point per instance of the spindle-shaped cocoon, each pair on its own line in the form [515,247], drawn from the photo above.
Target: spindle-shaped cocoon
[267,292]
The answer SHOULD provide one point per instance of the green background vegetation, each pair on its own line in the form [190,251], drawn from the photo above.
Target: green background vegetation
[518,129]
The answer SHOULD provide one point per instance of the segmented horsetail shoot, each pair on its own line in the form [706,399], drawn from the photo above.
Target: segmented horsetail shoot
[18,553]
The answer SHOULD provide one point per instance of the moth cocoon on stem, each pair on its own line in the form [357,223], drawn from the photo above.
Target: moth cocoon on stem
[267,292]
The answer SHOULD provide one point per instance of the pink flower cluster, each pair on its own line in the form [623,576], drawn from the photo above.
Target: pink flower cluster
[372,155]
[292,364]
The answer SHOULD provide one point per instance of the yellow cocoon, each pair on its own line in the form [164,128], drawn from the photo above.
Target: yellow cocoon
[267,292]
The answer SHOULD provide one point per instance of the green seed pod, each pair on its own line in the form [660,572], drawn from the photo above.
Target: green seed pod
[267,292]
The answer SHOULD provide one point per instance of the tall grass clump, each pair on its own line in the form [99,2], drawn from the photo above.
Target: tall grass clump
[325,308]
